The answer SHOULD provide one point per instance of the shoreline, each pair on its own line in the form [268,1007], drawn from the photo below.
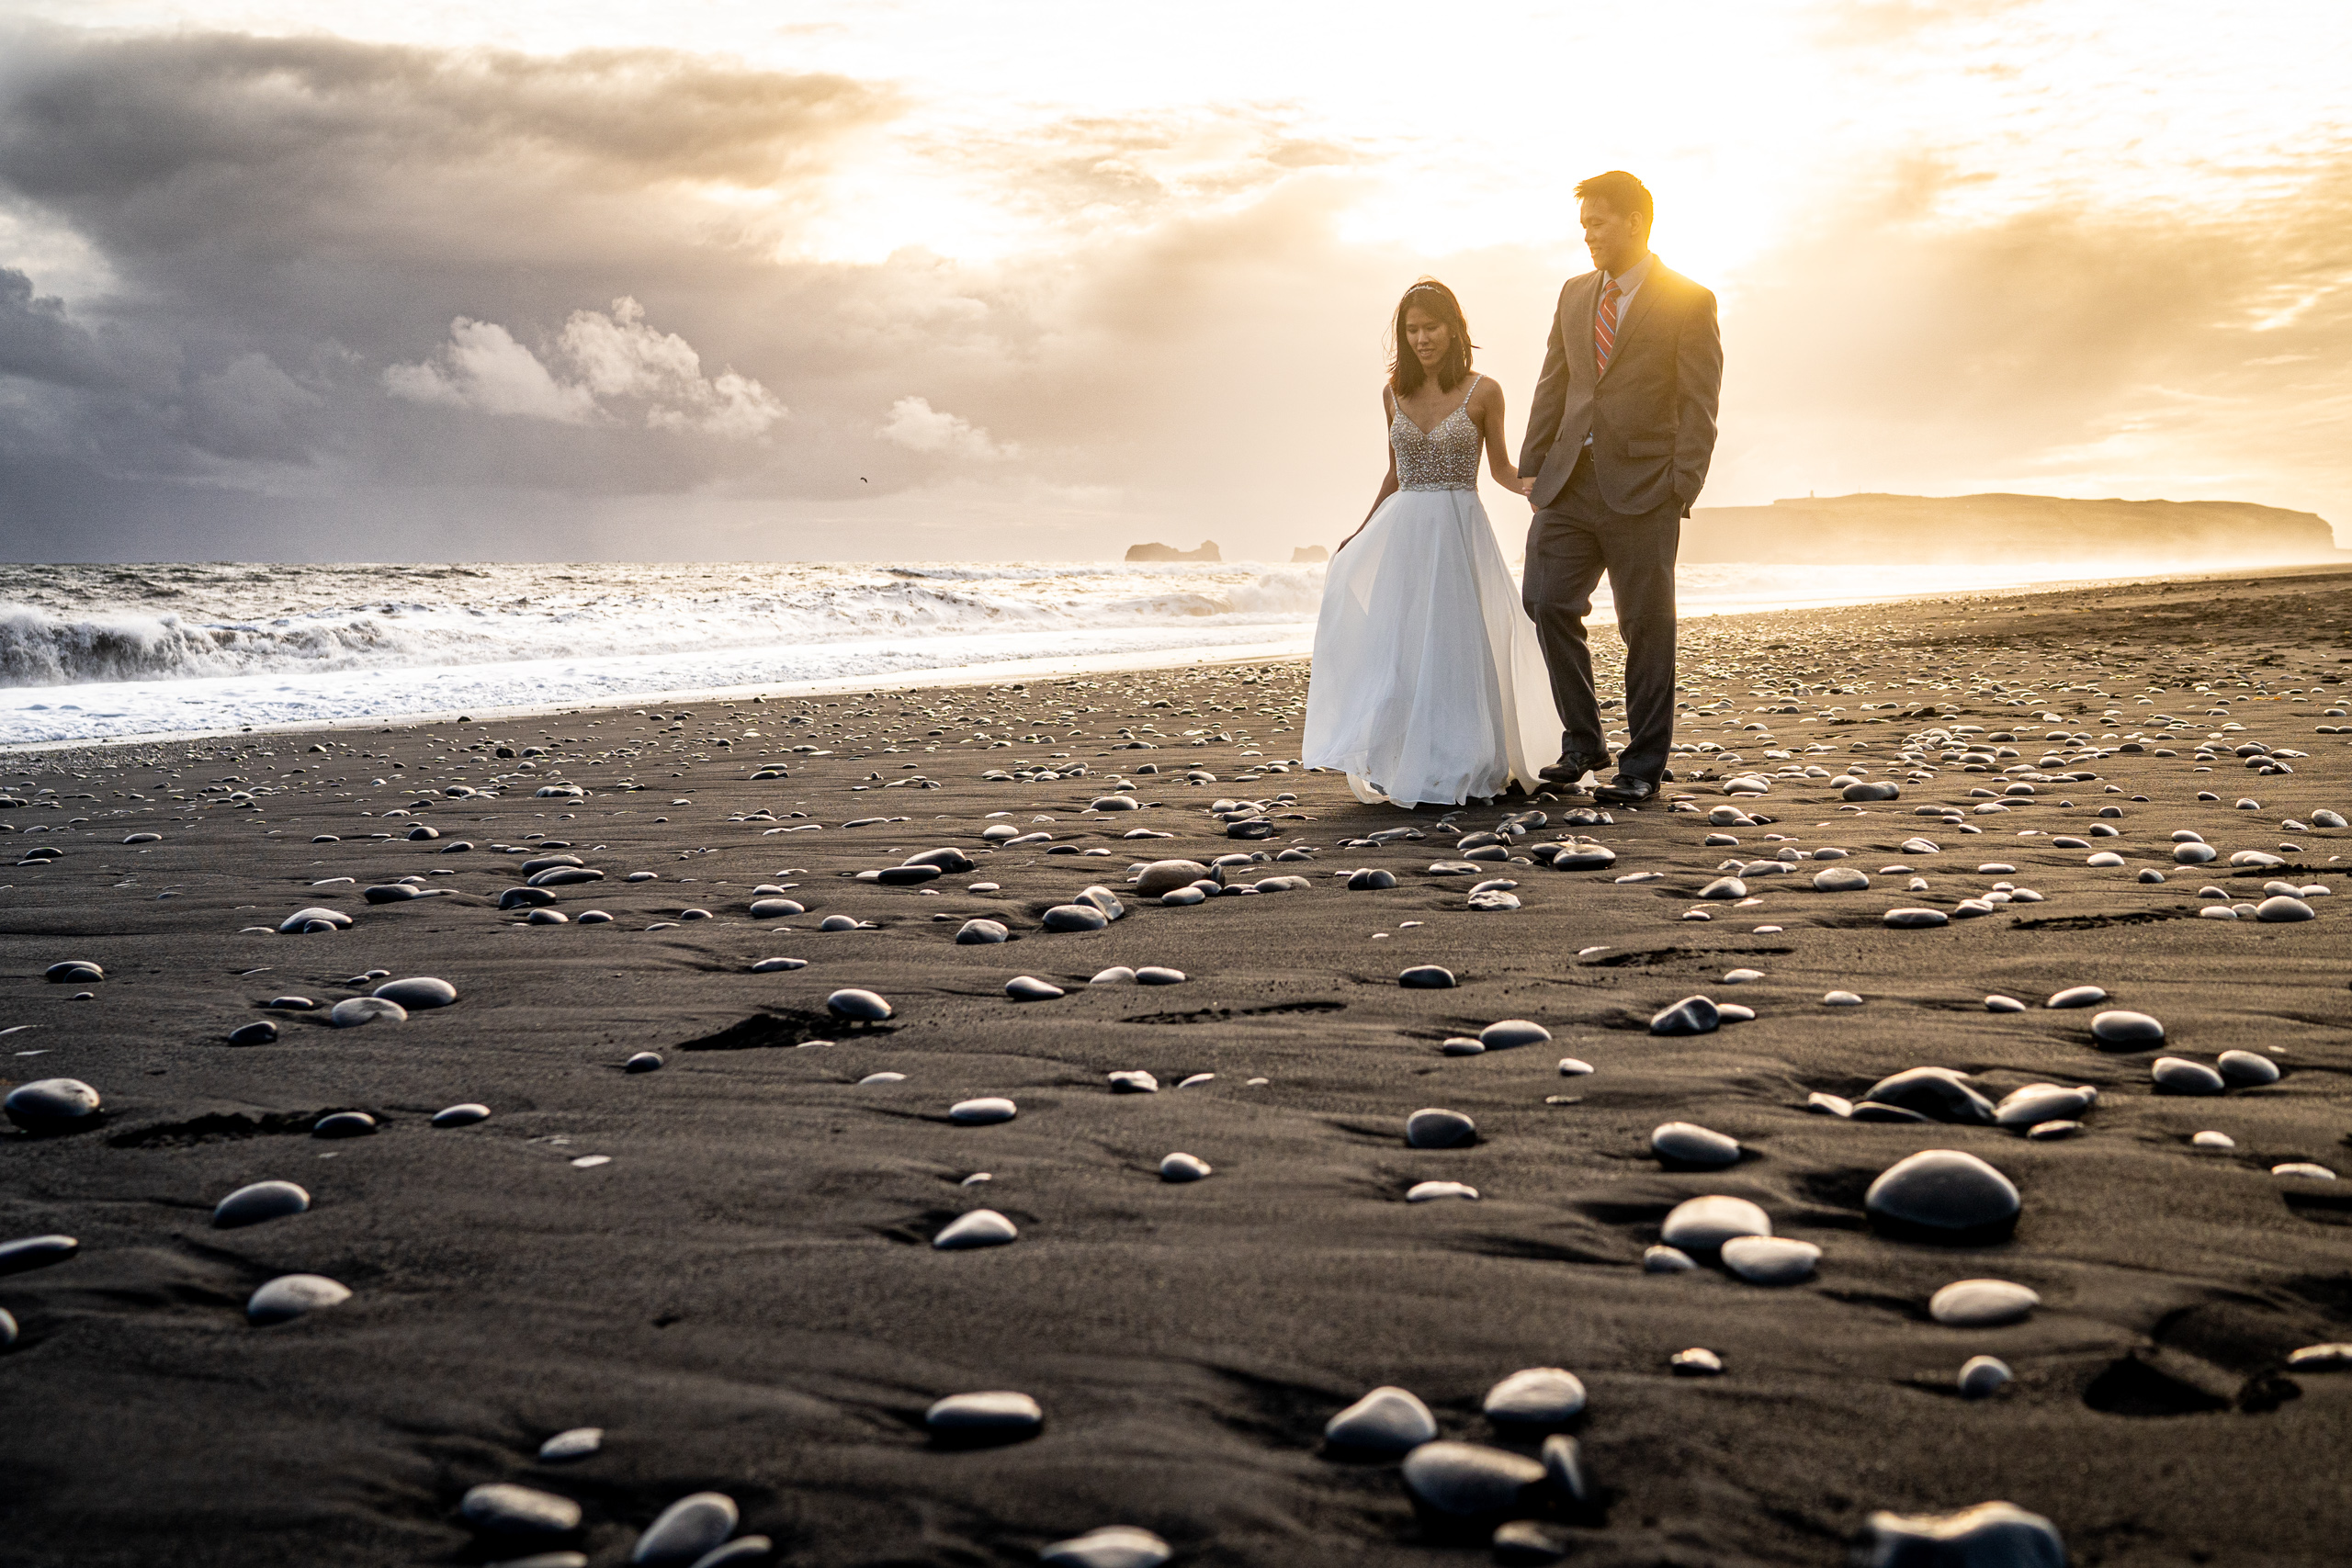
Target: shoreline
[1021,669]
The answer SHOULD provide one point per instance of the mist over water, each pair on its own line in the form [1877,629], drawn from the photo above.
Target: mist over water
[102,652]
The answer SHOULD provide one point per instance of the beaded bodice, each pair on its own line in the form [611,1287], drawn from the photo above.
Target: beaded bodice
[1445,457]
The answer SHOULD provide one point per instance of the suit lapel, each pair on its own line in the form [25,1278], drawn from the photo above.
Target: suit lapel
[1636,313]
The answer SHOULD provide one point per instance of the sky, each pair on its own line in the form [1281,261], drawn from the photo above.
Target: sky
[854,279]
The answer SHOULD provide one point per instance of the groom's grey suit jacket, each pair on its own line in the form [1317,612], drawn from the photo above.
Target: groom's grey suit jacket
[1651,414]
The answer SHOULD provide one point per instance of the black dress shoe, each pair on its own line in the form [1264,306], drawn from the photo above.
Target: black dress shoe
[1570,769]
[1626,792]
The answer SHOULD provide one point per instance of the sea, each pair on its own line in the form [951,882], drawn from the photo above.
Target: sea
[116,652]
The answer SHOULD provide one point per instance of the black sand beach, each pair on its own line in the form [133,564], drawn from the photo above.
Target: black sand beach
[745,1296]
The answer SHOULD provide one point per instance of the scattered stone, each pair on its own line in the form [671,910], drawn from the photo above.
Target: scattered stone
[981,1227]
[2178,1074]
[1938,1093]
[1436,1129]
[261,1032]
[352,1011]
[2303,1169]
[2126,1029]
[1990,1535]
[1915,920]
[1469,1481]
[260,1200]
[74,971]
[1696,1362]
[981,1112]
[464,1116]
[1164,876]
[1981,1303]
[575,1444]
[28,1253]
[2330,1357]
[1980,1377]
[1840,1000]
[1113,1546]
[858,1007]
[1536,1396]
[1029,989]
[1770,1259]
[1426,977]
[994,1417]
[770,965]
[312,920]
[1429,1191]
[1184,1167]
[2247,1067]
[1573,1067]
[686,1531]
[1945,1195]
[1692,1015]
[2280,908]
[1724,887]
[47,1107]
[418,994]
[1513,1031]
[501,1508]
[643,1062]
[1075,918]
[1133,1081]
[1564,1465]
[1158,975]
[289,1296]
[2076,997]
[2003,1004]
[1665,1260]
[1387,1420]
[344,1124]
[2038,1103]
[1700,1225]
[1684,1142]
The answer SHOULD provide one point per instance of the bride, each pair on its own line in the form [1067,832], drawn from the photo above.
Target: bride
[1428,684]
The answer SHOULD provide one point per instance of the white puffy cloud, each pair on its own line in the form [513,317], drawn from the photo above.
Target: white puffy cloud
[617,367]
[917,426]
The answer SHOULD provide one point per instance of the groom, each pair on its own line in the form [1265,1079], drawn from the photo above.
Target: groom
[1618,438]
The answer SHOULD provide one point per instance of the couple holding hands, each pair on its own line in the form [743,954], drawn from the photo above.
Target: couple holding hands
[1435,679]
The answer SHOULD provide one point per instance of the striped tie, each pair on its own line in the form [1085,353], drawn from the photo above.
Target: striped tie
[1604,328]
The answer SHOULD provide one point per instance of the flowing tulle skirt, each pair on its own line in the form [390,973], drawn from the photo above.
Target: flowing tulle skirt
[1428,684]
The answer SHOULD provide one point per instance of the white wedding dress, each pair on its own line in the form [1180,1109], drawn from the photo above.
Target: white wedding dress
[1428,684]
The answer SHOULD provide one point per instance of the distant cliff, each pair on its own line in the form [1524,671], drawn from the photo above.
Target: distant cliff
[1931,530]
[1170,552]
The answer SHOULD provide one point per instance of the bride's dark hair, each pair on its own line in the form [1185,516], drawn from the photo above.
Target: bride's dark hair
[1405,372]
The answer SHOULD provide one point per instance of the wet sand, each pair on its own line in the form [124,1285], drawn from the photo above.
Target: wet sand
[745,1296]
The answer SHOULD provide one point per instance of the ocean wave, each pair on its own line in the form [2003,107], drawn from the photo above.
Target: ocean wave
[438,617]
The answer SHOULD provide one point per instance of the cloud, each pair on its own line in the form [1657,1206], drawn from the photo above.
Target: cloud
[917,426]
[616,359]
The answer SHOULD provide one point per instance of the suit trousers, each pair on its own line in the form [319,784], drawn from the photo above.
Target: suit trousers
[1569,544]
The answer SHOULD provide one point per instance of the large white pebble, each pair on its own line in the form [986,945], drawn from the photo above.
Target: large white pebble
[578,1442]
[981,1112]
[2126,1029]
[981,1227]
[858,1007]
[1535,1396]
[1684,1142]
[1990,1535]
[352,1011]
[1981,1303]
[251,1204]
[2247,1067]
[1983,1376]
[1468,1479]
[2182,1075]
[686,1530]
[1386,1420]
[291,1295]
[1770,1259]
[501,1508]
[1113,1546]
[1700,1225]
[1182,1166]
[418,993]
[1429,1191]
